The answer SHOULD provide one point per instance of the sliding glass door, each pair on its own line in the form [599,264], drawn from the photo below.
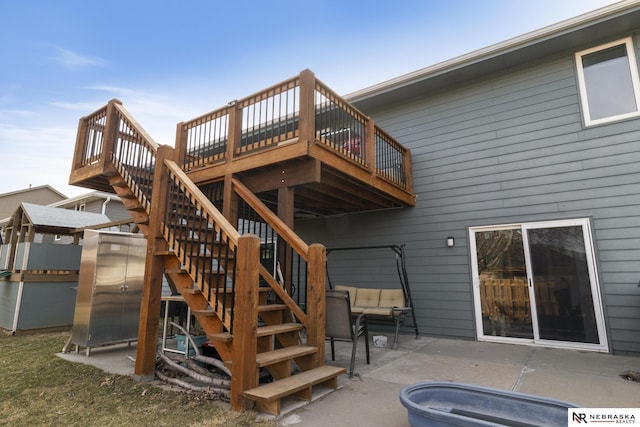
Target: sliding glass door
[537,282]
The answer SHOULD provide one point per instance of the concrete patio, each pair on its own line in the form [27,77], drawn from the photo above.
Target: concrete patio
[584,378]
[372,397]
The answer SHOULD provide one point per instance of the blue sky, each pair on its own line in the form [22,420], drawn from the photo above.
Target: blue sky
[170,61]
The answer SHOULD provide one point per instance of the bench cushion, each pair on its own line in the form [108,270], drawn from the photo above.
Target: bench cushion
[391,298]
[367,297]
[374,302]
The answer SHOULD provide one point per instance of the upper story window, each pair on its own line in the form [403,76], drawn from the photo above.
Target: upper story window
[609,84]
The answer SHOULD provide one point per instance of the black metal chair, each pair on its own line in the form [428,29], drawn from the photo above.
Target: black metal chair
[341,325]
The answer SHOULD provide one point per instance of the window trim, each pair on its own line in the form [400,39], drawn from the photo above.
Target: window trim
[635,81]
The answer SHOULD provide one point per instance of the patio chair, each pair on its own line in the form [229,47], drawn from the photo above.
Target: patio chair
[341,325]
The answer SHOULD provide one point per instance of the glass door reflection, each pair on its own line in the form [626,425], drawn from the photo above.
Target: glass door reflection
[502,275]
[562,285]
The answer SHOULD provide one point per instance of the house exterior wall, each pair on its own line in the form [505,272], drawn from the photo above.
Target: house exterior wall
[44,195]
[115,210]
[508,148]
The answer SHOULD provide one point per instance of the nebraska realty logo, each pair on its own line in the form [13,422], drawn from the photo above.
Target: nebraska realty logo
[602,416]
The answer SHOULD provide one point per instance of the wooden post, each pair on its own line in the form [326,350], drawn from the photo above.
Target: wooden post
[81,141]
[153,271]
[286,214]
[13,238]
[408,174]
[316,299]
[307,107]
[235,130]
[230,201]
[370,145]
[245,322]
[181,145]
[110,131]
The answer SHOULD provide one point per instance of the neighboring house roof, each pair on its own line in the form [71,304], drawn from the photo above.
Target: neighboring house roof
[31,189]
[42,195]
[55,218]
[84,198]
[598,26]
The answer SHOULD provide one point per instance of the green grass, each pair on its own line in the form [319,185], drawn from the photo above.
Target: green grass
[39,388]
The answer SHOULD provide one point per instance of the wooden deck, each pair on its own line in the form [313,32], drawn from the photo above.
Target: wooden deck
[293,150]
[296,135]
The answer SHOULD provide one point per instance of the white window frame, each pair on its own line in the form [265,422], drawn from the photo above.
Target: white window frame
[635,81]
[596,294]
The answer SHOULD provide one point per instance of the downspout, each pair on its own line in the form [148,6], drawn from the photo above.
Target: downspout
[104,205]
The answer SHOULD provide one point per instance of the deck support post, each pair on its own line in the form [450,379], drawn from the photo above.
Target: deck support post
[286,198]
[230,200]
[245,322]
[154,268]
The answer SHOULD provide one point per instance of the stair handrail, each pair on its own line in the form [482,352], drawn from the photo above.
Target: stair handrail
[287,234]
[133,153]
[219,219]
[209,231]
[274,221]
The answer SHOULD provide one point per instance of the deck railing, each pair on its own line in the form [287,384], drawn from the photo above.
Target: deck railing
[93,137]
[192,223]
[134,155]
[276,116]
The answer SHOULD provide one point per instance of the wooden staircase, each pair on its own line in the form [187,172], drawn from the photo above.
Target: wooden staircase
[247,314]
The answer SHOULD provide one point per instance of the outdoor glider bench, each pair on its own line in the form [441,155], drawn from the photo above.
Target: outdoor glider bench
[378,304]
[384,303]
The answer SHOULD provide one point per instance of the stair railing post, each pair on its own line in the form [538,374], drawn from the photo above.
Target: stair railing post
[244,374]
[181,145]
[110,131]
[316,303]
[81,141]
[153,272]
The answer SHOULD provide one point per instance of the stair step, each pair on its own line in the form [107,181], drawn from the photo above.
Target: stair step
[273,392]
[175,271]
[165,252]
[189,291]
[281,328]
[280,355]
[205,312]
[272,307]
[263,331]
[221,337]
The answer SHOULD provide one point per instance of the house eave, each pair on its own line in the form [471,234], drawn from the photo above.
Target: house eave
[596,26]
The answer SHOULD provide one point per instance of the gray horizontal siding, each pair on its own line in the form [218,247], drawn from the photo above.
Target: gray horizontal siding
[508,149]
